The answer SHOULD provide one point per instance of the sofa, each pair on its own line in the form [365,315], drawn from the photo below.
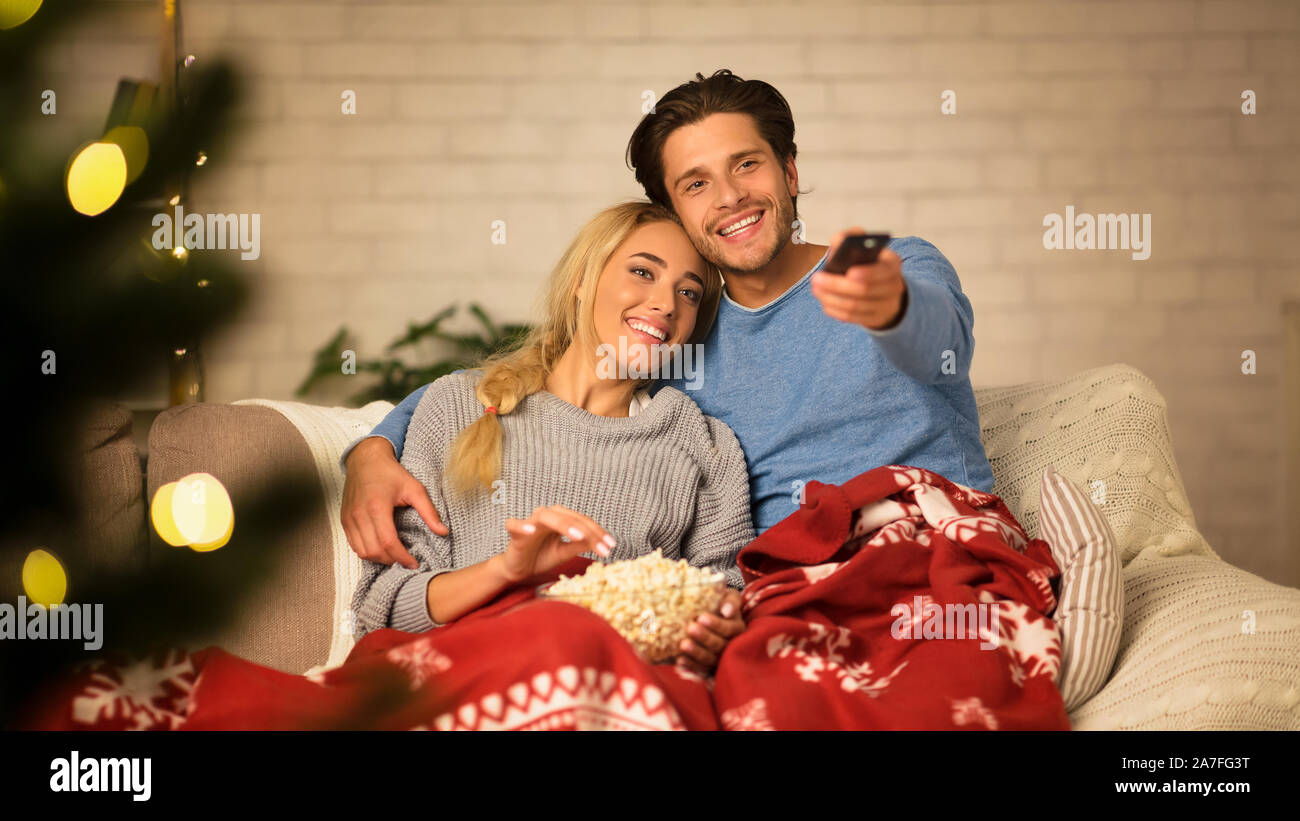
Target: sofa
[1204,645]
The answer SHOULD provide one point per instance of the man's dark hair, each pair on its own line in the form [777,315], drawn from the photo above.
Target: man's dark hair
[691,102]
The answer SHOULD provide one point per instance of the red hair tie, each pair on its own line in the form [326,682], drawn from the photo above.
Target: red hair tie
[490,409]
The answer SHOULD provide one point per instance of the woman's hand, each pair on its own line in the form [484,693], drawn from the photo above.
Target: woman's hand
[549,538]
[710,634]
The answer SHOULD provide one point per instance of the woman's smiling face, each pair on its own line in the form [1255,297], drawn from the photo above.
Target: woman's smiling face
[649,294]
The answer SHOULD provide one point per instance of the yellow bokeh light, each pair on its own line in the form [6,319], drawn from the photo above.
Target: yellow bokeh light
[96,178]
[16,12]
[195,511]
[204,548]
[44,581]
[135,147]
[201,509]
[160,512]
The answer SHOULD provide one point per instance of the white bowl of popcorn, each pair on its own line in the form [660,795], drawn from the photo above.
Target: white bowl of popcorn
[650,601]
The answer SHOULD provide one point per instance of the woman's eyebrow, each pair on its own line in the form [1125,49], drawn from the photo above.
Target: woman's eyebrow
[657,261]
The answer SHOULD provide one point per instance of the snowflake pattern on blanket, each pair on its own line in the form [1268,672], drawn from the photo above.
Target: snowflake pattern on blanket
[824,587]
[824,645]
[150,694]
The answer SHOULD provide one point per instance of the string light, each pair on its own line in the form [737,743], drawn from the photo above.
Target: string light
[96,178]
[194,511]
[44,579]
[135,147]
[16,12]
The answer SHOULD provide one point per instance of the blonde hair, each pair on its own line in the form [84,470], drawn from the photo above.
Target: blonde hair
[508,377]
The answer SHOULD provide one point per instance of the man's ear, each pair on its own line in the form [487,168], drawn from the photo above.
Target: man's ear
[791,177]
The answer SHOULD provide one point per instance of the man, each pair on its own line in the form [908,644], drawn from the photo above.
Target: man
[821,376]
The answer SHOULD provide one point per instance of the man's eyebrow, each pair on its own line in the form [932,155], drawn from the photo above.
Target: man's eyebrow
[657,261]
[698,170]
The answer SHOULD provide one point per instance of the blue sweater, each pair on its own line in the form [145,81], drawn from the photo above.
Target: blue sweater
[810,397]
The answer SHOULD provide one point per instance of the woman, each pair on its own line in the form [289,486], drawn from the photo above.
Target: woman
[554,449]
[545,453]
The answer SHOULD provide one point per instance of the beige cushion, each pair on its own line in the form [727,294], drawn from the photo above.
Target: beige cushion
[111,488]
[1090,613]
[284,623]
[1185,660]
[1106,424]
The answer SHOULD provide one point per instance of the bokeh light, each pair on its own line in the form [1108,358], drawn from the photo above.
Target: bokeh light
[16,12]
[135,147]
[44,581]
[194,510]
[201,509]
[160,513]
[204,548]
[96,178]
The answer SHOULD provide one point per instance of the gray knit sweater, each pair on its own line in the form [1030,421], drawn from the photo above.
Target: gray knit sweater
[669,477]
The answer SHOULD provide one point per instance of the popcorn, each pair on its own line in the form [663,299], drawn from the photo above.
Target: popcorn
[650,601]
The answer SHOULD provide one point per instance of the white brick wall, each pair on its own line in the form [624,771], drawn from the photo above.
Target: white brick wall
[470,112]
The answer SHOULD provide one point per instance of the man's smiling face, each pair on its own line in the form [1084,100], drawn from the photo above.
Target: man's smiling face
[734,197]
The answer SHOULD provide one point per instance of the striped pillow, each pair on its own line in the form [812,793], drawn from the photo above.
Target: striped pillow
[1091,609]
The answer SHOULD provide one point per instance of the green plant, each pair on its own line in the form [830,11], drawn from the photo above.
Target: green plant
[397,379]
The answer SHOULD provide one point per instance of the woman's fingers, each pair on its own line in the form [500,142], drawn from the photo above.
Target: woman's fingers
[573,527]
[695,660]
[729,607]
[706,638]
[597,532]
[709,634]
[526,535]
[521,529]
[687,663]
[698,654]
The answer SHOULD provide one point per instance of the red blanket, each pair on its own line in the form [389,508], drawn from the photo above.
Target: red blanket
[516,663]
[897,600]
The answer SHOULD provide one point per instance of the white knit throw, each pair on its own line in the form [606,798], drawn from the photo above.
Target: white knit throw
[1187,656]
[328,432]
